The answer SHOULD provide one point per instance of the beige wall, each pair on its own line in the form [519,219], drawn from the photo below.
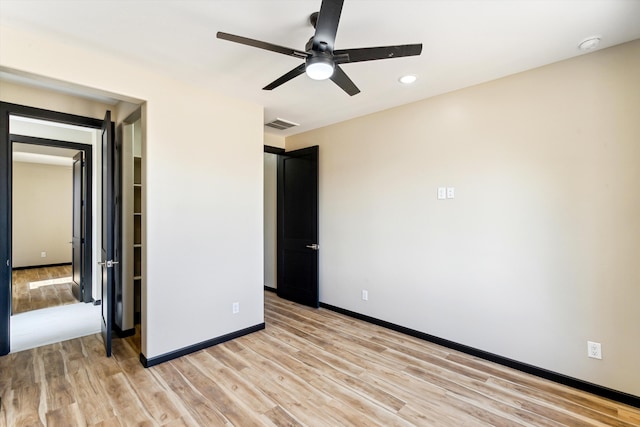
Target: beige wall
[42,214]
[274,140]
[539,250]
[33,96]
[203,229]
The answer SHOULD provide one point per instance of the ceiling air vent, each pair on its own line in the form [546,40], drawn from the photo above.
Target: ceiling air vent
[281,124]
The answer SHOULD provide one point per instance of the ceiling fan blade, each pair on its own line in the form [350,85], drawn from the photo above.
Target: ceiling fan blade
[327,25]
[262,45]
[340,78]
[281,80]
[375,53]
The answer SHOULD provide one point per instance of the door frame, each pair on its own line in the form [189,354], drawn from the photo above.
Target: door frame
[274,150]
[6,110]
[281,153]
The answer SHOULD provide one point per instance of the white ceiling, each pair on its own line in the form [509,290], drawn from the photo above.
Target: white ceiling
[465,42]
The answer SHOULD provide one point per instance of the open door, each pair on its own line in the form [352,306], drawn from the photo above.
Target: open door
[298,226]
[77,238]
[111,245]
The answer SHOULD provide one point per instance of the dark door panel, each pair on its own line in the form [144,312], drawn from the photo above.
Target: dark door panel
[5,230]
[77,238]
[298,226]
[110,251]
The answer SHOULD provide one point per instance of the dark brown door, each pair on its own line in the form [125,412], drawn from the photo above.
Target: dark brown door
[111,244]
[78,227]
[298,226]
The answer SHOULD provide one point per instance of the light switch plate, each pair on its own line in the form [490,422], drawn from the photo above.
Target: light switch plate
[451,192]
[442,193]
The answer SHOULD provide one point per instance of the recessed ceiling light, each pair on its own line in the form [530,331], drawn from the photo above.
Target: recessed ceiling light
[408,79]
[589,43]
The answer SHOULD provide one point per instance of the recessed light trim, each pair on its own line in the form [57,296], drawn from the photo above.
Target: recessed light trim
[590,43]
[408,79]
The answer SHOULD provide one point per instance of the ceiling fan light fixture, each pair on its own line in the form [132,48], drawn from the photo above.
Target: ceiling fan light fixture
[319,67]
[321,61]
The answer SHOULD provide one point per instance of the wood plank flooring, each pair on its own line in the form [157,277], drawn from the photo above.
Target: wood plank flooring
[25,298]
[308,367]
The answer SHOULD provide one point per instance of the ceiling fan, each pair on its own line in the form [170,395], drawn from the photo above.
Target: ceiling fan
[321,60]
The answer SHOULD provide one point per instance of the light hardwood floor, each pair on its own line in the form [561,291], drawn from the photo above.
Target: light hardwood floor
[26,298]
[308,367]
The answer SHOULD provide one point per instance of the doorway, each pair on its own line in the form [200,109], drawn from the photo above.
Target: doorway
[291,224]
[14,118]
[49,213]
[51,189]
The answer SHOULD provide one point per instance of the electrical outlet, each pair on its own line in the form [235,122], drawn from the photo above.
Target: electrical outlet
[594,350]
[235,308]
[365,295]
[43,254]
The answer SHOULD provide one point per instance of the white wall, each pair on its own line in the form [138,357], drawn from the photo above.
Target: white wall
[204,205]
[270,219]
[42,214]
[538,252]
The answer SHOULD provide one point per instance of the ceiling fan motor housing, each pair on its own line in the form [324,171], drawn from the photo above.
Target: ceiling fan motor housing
[313,19]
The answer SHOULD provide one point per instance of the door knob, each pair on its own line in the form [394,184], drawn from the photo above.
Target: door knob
[314,246]
[109,263]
